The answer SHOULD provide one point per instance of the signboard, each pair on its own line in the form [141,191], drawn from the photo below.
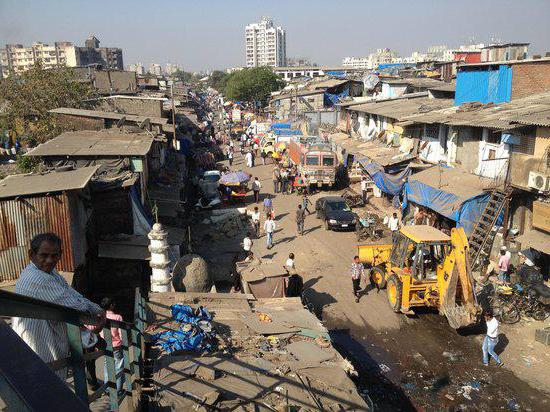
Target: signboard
[541,215]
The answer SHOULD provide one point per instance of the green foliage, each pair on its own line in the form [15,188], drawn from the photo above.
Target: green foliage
[27,164]
[185,77]
[218,80]
[253,84]
[30,95]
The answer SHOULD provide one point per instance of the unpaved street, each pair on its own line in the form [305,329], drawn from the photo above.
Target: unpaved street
[400,357]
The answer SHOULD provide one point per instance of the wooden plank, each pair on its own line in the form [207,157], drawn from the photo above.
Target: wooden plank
[159,297]
[77,362]
[541,215]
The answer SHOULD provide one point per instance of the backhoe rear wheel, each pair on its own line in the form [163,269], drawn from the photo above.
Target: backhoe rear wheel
[395,291]
[378,276]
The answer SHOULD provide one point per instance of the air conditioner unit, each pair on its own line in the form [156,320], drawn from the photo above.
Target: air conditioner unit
[539,181]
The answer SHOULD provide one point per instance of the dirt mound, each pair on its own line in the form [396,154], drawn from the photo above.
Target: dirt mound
[191,274]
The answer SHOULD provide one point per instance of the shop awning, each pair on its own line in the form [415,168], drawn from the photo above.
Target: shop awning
[535,239]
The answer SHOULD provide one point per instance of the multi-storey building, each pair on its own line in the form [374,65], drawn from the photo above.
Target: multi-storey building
[172,68]
[156,69]
[92,54]
[265,44]
[15,58]
[382,56]
[138,68]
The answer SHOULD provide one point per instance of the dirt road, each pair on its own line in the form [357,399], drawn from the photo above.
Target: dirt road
[421,357]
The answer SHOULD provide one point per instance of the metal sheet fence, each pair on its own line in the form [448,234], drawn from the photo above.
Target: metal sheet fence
[21,219]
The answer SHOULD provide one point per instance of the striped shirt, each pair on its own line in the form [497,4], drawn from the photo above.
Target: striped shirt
[48,338]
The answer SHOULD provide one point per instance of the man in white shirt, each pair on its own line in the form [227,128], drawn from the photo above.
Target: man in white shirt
[490,340]
[247,245]
[269,227]
[364,190]
[255,217]
[393,225]
[256,186]
[248,157]
[289,265]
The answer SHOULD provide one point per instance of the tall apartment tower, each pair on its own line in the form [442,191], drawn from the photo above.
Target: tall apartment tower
[265,44]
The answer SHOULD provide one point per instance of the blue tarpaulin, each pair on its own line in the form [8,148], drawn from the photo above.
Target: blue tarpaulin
[331,99]
[391,184]
[287,132]
[280,126]
[193,334]
[336,73]
[447,192]
[484,85]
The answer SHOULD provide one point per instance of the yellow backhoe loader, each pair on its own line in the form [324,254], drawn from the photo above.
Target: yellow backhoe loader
[425,268]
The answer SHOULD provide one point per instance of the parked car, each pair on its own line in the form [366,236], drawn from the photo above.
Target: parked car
[336,213]
[209,183]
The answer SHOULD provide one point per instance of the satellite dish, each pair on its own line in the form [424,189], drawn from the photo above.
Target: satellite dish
[121,122]
[146,124]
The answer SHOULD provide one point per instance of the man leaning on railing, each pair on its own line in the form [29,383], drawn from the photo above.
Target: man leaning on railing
[40,280]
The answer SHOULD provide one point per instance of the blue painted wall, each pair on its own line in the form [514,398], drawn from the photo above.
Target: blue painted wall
[484,84]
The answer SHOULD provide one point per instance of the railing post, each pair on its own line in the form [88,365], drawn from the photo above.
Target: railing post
[136,335]
[77,362]
[126,353]
[111,370]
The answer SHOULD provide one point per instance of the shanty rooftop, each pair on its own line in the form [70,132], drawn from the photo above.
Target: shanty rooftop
[268,365]
[31,184]
[108,142]
[100,114]
[400,108]
[424,233]
[531,110]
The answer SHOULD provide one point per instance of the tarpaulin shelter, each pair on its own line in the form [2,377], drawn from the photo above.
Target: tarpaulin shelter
[280,126]
[330,99]
[391,184]
[451,192]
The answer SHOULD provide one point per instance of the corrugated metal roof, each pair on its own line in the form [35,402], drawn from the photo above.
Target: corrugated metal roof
[400,108]
[31,184]
[417,82]
[531,110]
[497,63]
[91,143]
[20,221]
[99,114]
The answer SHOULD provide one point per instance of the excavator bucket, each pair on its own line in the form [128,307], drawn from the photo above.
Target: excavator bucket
[465,313]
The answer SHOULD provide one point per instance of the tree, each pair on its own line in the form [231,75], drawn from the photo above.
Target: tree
[218,80]
[28,98]
[185,77]
[253,85]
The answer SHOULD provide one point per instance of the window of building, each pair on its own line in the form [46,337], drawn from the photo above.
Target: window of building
[525,146]
[431,131]
[494,137]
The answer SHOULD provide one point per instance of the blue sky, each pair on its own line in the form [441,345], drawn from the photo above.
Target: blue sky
[209,34]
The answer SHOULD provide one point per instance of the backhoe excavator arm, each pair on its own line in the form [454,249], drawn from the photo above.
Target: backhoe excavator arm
[456,271]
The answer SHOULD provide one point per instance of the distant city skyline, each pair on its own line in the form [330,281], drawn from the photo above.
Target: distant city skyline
[209,35]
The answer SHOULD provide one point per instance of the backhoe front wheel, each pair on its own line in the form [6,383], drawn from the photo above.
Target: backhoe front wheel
[378,276]
[395,292]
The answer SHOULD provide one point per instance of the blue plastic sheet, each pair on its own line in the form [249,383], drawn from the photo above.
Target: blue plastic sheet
[484,85]
[391,184]
[331,99]
[195,337]
[280,126]
[464,212]
[287,132]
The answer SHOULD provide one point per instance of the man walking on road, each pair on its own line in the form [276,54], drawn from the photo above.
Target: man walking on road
[300,218]
[230,156]
[248,157]
[490,340]
[268,205]
[393,225]
[305,203]
[364,190]
[269,227]
[256,186]
[247,245]
[276,179]
[357,272]
[255,217]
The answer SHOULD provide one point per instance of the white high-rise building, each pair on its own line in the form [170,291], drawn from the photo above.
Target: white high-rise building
[156,69]
[265,44]
[138,68]
[172,68]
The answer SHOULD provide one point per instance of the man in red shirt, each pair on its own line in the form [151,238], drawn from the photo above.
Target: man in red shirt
[109,306]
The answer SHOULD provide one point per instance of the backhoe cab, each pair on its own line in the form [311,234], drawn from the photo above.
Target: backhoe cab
[425,268]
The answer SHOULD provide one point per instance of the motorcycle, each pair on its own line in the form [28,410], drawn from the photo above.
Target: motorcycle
[368,227]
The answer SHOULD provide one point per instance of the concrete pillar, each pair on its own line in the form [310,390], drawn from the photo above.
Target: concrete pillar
[161,280]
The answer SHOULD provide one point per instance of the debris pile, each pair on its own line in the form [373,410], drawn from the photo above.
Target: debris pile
[228,222]
[270,354]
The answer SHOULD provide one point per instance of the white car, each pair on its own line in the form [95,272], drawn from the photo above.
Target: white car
[209,183]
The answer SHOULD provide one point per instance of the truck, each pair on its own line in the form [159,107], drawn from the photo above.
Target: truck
[314,158]
[425,267]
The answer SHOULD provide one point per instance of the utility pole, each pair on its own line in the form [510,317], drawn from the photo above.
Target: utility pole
[174,144]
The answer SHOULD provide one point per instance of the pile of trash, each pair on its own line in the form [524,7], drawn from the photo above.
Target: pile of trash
[228,222]
[194,334]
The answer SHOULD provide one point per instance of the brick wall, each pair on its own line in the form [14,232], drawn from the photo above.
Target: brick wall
[530,78]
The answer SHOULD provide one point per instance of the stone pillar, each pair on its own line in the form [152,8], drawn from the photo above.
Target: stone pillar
[160,262]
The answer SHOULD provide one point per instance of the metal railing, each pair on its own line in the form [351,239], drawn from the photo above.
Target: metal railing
[16,392]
